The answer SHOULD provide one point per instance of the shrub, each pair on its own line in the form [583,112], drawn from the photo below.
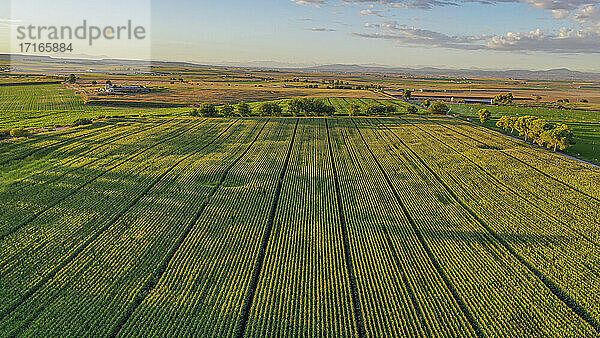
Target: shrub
[207,110]
[82,122]
[19,133]
[4,133]
[412,109]
[378,109]
[438,108]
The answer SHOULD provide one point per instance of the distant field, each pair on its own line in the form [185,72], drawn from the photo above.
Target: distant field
[425,226]
[585,125]
[50,105]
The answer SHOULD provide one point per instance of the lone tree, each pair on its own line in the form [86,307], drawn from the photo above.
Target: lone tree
[484,115]
[439,108]
[407,94]
[506,99]
[207,110]
[354,109]
[227,110]
[412,109]
[427,103]
[243,109]
[72,78]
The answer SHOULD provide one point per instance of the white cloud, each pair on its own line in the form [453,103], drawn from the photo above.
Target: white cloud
[316,3]
[372,12]
[564,41]
[321,29]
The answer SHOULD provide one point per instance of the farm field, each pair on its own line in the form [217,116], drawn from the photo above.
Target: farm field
[584,124]
[46,105]
[399,226]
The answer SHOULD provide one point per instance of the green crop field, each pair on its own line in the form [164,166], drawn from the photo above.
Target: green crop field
[584,124]
[339,226]
[48,105]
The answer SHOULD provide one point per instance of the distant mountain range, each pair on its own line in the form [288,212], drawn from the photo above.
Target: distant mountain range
[552,74]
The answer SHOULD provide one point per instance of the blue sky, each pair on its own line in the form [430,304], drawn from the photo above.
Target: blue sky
[497,34]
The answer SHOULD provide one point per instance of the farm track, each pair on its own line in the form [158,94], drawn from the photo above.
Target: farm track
[90,240]
[390,307]
[57,201]
[222,241]
[358,316]
[558,291]
[154,279]
[44,148]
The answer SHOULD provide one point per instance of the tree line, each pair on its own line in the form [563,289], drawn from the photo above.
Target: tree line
[298,107]
[541,132]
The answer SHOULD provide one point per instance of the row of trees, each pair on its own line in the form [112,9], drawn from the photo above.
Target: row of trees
[546,134]
[209,110]
[309,107]
[306,107]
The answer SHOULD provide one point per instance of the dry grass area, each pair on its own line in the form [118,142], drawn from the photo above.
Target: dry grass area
[165,93]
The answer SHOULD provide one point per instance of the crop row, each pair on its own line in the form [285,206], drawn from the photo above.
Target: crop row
[581,176]
[526,232]
[36,250]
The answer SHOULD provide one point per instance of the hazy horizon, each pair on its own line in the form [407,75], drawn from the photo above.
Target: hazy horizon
[491,35]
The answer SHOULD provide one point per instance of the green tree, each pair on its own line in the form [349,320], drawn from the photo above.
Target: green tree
[505,123]
[407,94]
[295,106]
[207,110]
[427,103]
[523,125]
[243,109]
[354,109]
[269,109]
[438,108]
[484,115]
[506,99]
[559,137]
[412,109]
[72,78]
[537,127]
[227,110]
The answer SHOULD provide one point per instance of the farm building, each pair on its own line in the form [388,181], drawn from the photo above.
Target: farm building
[112,89]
